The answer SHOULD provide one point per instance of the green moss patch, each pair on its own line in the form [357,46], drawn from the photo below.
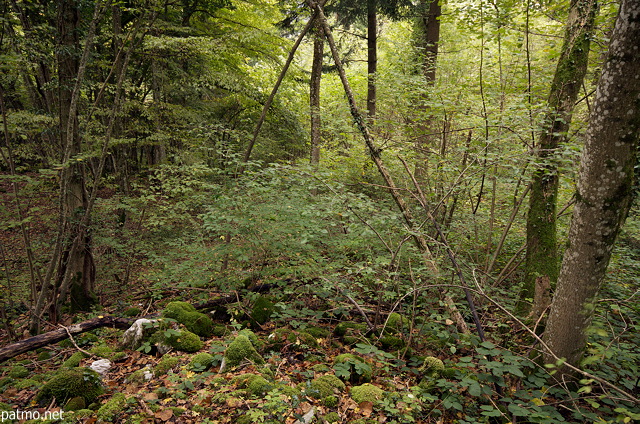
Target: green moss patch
[71,383]
[366,393]
[262,310]
[196,322]
[241,350]
[201,362]
[324,386]
[114,406]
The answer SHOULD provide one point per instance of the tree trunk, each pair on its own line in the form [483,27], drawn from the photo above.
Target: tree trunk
[605,189]
[372,56]
[76,261]
[314,96]
[542,256]
[427,29]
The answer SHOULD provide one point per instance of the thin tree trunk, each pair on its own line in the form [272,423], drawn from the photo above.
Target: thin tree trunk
[542,254]
[314,96]
[372,57]
[604,193]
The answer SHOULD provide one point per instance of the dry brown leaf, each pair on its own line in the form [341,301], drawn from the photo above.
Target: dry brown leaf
[366,408]
[164,415]
[150,396]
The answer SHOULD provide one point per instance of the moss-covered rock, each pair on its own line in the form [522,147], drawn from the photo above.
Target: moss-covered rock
[395,322]
[432,367]
[196,322]
[392,342]
[70,383]
[343,328]
[26,383]
[258,386]
[241,350]
[318,332]
[302,339]
[359,370]
[75,404]
[201,362]
[112,408]
[165,364]
[182,340]
[74,360]
[325,385]
[219,330]
[330,401]
[366,393]
[253,338]
[18,371]
[262,310]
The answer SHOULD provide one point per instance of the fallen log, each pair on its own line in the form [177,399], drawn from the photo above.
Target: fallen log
[55,336]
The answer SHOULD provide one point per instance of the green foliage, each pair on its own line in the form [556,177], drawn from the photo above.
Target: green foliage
[71,383]
[352,368]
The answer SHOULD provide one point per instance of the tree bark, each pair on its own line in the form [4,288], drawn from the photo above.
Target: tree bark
[605,190]
[372,57]
[314,96]
[542,255]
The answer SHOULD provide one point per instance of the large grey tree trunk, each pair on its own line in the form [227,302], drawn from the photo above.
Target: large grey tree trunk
[542,257]
[605,189]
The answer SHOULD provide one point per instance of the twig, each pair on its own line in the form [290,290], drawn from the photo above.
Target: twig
[342,292]
[74,342]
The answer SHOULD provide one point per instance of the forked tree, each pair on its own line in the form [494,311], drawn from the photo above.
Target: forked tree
[605,190]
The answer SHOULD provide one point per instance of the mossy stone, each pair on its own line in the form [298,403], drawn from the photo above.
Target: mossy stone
[366,393]
[184,341]
[219,330]
[318,332]
[392,342]
[75,404]
[196,322]
[395,321]
[18,371]
[74,360]
[240,350]
[330,401]
[201,362]
[26,383]
[258,386]
[70,383]
[114,406]
[342,328]
[324,386]
[165,364]
[253,338]
[432,367]
[262,310]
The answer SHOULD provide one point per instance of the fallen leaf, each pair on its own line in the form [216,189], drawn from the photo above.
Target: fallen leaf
[150,396]
[448,321]
[366,408]
[164,415]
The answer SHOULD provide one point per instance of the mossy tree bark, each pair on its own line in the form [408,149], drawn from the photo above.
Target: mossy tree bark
[605,189]
[542,252]
[372,56]
[314,96]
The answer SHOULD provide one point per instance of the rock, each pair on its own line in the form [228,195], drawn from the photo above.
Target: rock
[241,350]
[101,366]
[71,383]
[196,322]
[366,393]
[139,330]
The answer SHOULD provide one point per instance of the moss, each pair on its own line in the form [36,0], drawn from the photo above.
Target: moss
[196,322]
[392,342]
[395,321]
[102,350]
[332,417]
[70,383]
[177,411]
[132,312]
[218,382]
[114,406]
[262,310]
[366,393]
[302,339]
[318,333]
[241,350]
[351,340]
[255,341]
[330,401]
[292,392]
[432,367]
[27,383]
[321,368]
[44,355]
[258,386]
[137,377]
[74,360]
[18,371]
[343,328]
[75,404]
[5,381]
[201,362]
[359,370]
[184,341]
[324,386]
[165,364]
[219,330]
